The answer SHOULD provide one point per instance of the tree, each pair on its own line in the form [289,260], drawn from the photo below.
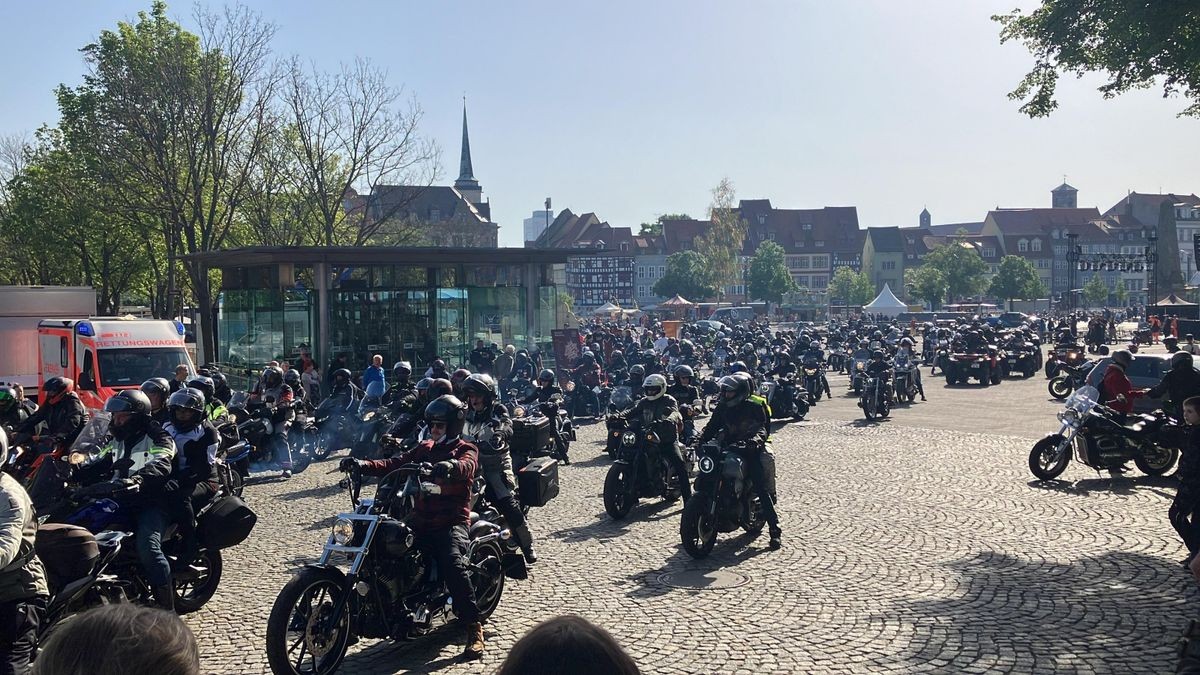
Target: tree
[963,268]
[1017,278]
[686,275]
[721,246]
[1132,43]
[176,122]
[769,276]
[927,284]
[654,228]
[1122,296]
[850,287]
[1095,292]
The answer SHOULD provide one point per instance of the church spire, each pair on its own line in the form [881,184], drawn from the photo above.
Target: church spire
[466,184]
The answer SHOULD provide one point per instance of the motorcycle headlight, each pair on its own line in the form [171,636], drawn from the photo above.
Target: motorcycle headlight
[628,438]
[652,437]
[343,531]
[707,465]
[1069,416]
[518,411]
[860,366]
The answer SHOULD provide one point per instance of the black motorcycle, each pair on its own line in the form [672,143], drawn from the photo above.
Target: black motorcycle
[1068,379]
[785,398]
[814,379]
[640,471]
[374,420]
[257,425]
[723,500]
[563,427]
[392,588]
[1105,440]
[876,398]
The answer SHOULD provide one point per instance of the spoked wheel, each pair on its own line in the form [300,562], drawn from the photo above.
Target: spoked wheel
[487,578]
[317,444]
[197,583]
[868,406]
[757,520]
[1157,461]
[618,494]
[697,528]
[1045,460]
[302,639]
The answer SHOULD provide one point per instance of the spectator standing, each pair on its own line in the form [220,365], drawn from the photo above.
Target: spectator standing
[311,380]
[567,645]
[1185,509]
[374,372]
[180,379]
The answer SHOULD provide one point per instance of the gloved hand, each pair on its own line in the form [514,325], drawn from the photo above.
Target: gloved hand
[443,469]
[348,464]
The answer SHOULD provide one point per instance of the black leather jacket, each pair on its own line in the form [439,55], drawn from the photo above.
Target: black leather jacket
[1179,384]
[746,421]
[64,420]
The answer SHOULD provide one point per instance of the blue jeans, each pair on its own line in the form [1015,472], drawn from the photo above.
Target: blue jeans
[152,520]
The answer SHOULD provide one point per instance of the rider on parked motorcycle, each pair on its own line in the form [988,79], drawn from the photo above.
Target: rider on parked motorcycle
[291,378]
[489,429]
[1116,391]
[401,397]
[684,390]
[23,589]
[878,367]
[586,376]
[545,390]
[658,410]
[1180,383]
[907,353]
[739,419]
[157,389]
[63,413]
[440,520]
[214,410]
[194,473]
[637,374]
[278,398]
[138,451]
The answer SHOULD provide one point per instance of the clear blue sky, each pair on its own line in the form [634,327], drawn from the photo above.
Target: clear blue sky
[632,109]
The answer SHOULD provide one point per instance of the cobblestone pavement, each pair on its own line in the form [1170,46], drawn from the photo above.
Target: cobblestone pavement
[912,545]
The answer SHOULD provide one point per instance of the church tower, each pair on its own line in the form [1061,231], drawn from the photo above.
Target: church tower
[466,183]
[926,219]
[1064,197]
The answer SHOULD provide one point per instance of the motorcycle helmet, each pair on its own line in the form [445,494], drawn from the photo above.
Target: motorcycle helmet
[734,389]
[1181,361]
[291,378]
[219,381]
[1122,357]
[877,335]
[341,378]
[877,355]
[738,367]
[130,410]
[423,388]
[480,385]
[815,344]
[447,410]
[685,371]
[616,354]
[187,408]
[438,366]
[459,376]
[156,389]
[638,372]
[654,386]
[204,385]
[589,359]
[56,389]
[440,386]
[272,376]
[402,370]
[546,378]
[8,399]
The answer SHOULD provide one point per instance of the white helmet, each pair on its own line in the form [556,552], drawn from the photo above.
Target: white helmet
[654,386]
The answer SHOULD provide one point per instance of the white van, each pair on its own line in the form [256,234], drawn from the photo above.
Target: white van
[729,315]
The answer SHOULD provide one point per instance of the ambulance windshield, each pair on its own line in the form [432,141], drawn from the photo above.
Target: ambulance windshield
[124,367]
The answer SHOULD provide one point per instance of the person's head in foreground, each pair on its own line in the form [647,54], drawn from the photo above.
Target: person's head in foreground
[570,645]
[122,639]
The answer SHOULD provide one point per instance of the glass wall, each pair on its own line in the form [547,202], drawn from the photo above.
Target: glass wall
[263,325]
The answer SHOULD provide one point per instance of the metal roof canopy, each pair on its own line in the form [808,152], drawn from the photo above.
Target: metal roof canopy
[368,255]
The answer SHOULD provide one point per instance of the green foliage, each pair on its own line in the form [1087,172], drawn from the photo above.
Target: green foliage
[1133,44]
[927,284]
[654,228]
[1122,296]
[1095,292]
[1017,278]
[687,275]
[721,246]
[853,288]
[964,270]
[769,276]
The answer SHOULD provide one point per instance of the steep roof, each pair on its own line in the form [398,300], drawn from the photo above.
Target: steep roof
[679,235]
[1150,201]
[1064,188]
[953,228]
[387,201]
[886,239]
[1041,220]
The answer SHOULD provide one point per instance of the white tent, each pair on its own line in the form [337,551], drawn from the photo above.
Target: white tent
[886,303]
[606,309]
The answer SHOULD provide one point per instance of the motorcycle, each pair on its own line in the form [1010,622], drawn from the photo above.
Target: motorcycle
[564,429]
[858,374]
[688,433]
[876,399]
[785,397]
[905,382]
[964,366]
[374,420]
[336,424]
[640,471]
[1105,440]
[723,500]
[837,359]
[814,376]
[392,588]
[256,426]
[942,360]
[1021,359]
[1071,355]
[1068,379]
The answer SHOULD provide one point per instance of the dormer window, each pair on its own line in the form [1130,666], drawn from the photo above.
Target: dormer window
[1035,245]
[762,219]
[1054,233]
[624,246]
[435,214]
[1023,246]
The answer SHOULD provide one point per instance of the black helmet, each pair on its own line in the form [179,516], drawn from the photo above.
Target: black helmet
[738,367]
[734,389]
[204,385]
[438,387]
[56,388]
[438,365]
[8,398]
[546,376]
[448,410]
[341,376]
[877,355]
[272,376]
[480,385]
[219,381]
[684,371]
[423,387]
[589,358]
[459,376]
[1181,361]
[292,378]
[130,410]
[616,354]
[157,389]
[402,370]
[187,408]
[637,370]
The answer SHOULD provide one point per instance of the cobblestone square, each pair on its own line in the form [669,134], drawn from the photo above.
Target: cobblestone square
[918,544]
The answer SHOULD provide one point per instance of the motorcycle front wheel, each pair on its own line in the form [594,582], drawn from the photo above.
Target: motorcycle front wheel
[1045,462]
[868,406]
[1059,387]
[299,641]
[618,494]
[697,531]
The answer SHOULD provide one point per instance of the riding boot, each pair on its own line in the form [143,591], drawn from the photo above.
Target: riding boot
[525,541]
[164,597]
[776,537]
[474,647]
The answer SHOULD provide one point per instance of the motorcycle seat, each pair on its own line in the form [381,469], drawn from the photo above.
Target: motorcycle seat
[474,517]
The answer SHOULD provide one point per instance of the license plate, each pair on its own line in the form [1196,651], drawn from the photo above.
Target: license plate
[974,365]
[1012,360]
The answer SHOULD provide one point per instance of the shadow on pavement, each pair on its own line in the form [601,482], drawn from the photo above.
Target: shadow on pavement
[1124,485]
[420,655]
[727,553]
[1090,614]
[606,527]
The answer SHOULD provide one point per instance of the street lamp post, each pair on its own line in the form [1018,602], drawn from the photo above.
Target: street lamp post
[1073,253]
[1151,272]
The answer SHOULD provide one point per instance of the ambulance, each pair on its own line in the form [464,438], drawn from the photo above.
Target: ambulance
[107,354]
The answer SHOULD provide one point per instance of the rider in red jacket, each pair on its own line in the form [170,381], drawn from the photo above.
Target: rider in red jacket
[1117,391]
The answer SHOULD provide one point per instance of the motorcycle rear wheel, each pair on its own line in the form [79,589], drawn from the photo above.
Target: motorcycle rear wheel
[1044,462]
[193,594]
[1059,387]
[1158,462]
[309,596]
[488,587]
[618,495]
[697,532]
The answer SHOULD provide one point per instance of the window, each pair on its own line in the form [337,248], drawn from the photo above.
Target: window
[624,247]
[435,214]
[801,280]
[888,265]
[820,243]
[62,352]
[1023,245]
[762,219]
[1043,263]
[1035,245]
[662,270]
[820,261]
[771,236]
[807,227]
[988,252]
[993,269]
[802,262]
[819,281]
